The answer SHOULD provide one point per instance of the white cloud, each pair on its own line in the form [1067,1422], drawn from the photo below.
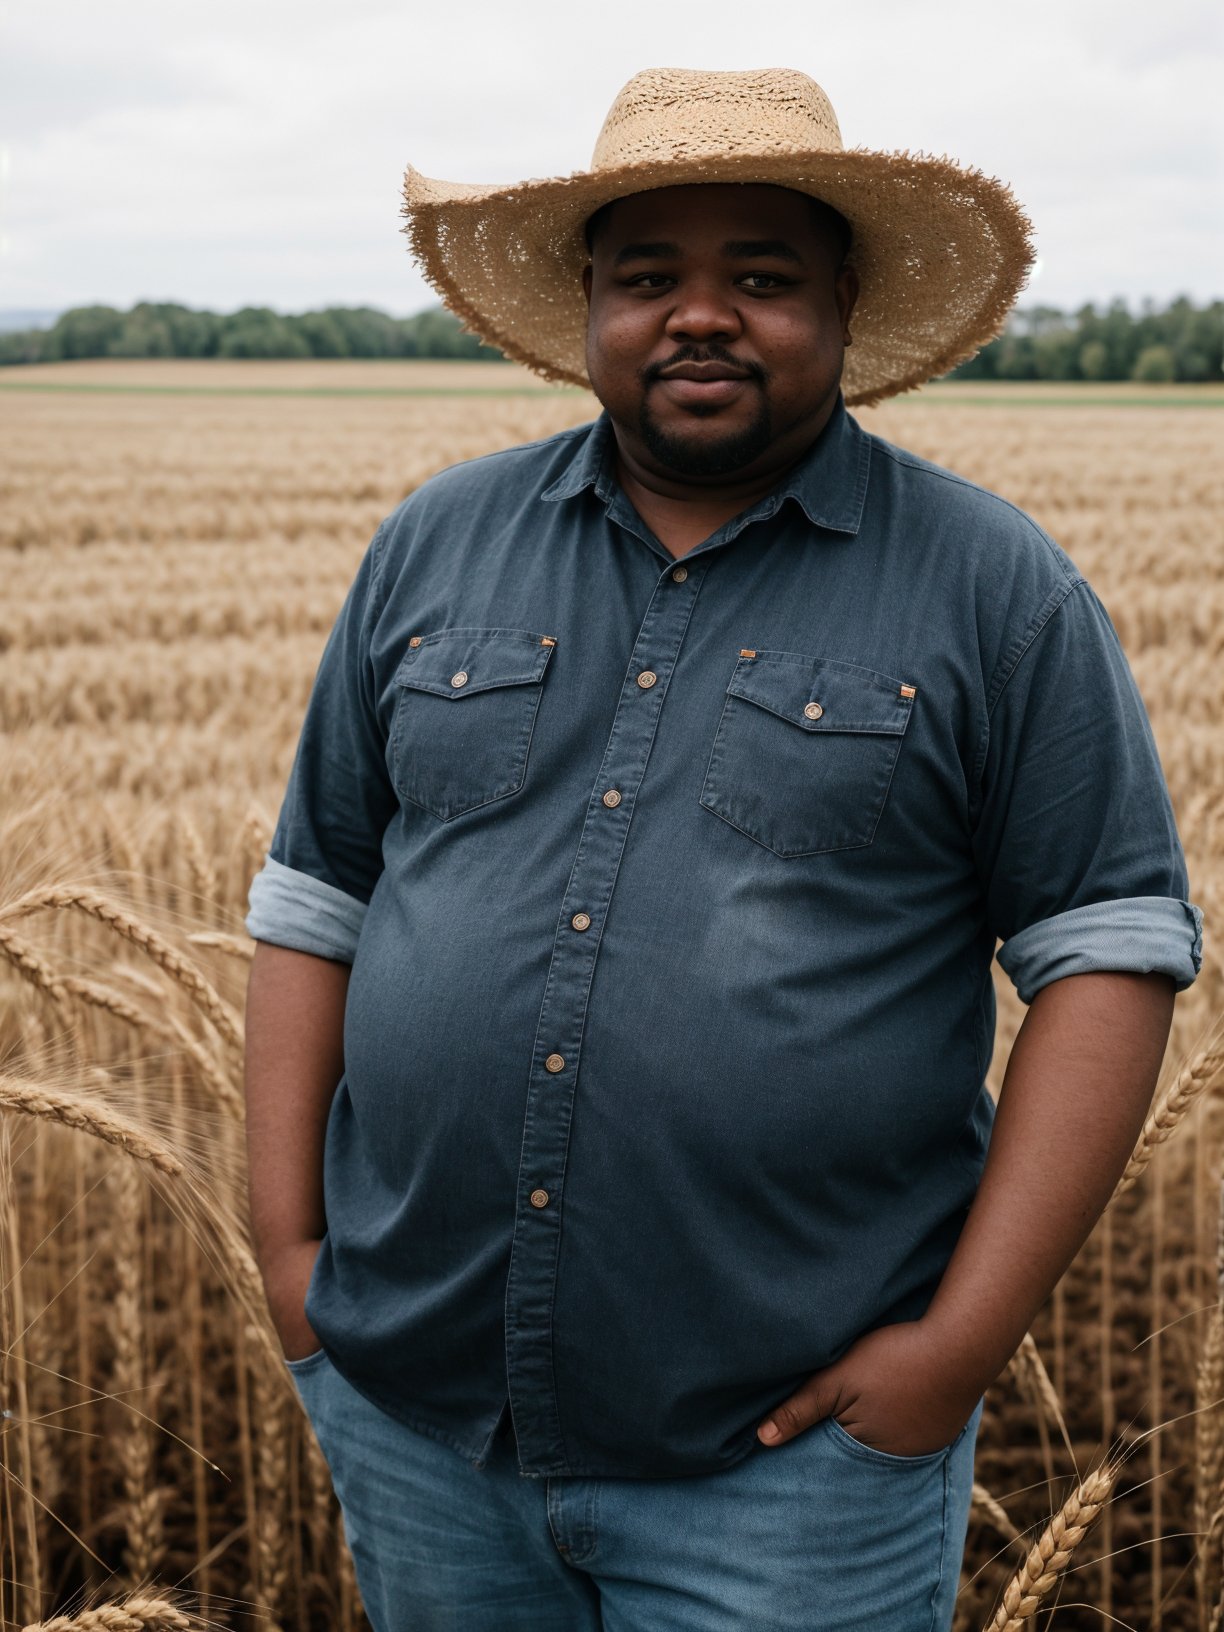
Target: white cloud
[223,153]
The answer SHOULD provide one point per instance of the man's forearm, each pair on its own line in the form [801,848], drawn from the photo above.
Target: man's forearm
[294,1059]
[1078,1086]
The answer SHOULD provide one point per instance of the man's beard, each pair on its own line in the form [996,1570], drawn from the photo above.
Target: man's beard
[716,457]
[698,458]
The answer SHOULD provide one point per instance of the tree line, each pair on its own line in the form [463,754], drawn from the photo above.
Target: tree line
[162,329]
[1181,342]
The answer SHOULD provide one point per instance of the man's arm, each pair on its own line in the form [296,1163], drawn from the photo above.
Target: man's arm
[294,1059]
[1078,1086]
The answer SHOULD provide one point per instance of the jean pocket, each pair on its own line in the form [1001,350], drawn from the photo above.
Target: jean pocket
[869,1453]
[805,749]
[307,1363]
[464,716]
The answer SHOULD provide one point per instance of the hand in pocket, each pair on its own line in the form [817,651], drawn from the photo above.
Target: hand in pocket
[285,1283]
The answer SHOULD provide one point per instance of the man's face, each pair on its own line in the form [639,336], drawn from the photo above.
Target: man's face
[716,330]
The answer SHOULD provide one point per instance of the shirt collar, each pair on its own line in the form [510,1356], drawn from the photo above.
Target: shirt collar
[829,483]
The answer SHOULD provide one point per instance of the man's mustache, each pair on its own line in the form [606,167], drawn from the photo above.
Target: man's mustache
[704,354]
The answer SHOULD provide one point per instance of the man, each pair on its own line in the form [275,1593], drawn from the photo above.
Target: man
[667,784]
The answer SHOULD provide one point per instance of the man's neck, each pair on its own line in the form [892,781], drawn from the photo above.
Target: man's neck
[683,514]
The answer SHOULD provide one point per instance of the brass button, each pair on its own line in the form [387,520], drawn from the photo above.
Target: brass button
[415,641]
[581,920]
[647,679]
[679,575]
[813,711]
[459,679]
[539,1198]
[611,798]
[554,1062]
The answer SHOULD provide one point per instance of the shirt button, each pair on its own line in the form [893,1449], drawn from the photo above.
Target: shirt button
[647,679]
[813,711]
[415,641]
[459,679]
[611,798]
[679,575]
[581,920]
[554,1062]
[539,1198]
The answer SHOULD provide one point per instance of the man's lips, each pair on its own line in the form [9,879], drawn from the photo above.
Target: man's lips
[702,372]
[702,384]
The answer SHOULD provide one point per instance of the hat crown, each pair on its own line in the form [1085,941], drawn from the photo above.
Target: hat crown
[665,113]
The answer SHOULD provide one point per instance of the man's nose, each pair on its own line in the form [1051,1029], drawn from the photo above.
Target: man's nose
[703,312]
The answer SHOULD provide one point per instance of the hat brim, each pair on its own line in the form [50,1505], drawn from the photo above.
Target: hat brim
[941,251]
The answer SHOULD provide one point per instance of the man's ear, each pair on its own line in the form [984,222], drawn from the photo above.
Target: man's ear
[586,282]
[845,292]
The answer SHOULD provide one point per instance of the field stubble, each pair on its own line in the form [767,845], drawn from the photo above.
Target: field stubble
[171,567]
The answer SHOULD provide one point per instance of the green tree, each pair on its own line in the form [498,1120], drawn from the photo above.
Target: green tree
[1155,365]
[145,333]
[258,331]
[85,331]
[1094,360]
[322,334]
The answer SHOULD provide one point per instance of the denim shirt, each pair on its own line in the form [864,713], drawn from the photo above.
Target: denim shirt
[671,888]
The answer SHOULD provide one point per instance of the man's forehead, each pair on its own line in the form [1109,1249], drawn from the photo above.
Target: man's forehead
[711,201]
[715,214]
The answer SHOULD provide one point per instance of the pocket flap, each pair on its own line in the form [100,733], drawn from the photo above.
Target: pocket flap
[458,662]
[819,694]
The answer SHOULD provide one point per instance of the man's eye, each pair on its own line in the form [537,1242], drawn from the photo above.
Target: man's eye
[639,280]
[763,279]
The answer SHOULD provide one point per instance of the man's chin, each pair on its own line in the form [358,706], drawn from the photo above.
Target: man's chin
[710,451]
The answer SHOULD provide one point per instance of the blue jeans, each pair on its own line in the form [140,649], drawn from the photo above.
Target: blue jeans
[821,1534]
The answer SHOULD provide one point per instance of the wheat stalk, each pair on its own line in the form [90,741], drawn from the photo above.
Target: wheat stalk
[141,1508]
[1209,1464]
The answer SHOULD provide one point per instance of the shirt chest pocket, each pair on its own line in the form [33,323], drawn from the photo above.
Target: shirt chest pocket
[464,716]
[805,750]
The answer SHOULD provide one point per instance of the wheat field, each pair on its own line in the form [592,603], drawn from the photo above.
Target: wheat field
[175,542]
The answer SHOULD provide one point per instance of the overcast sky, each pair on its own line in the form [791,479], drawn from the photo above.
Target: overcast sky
[231,152]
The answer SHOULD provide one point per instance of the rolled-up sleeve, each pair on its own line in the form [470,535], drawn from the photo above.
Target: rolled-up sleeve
[325,856]
[1074,834]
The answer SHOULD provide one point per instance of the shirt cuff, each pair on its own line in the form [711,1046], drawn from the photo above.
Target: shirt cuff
[300,911]
[1142,934]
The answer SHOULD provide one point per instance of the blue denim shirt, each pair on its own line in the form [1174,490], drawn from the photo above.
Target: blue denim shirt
[671,888]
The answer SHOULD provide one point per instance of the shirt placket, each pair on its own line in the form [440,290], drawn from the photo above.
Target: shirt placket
[556,1053]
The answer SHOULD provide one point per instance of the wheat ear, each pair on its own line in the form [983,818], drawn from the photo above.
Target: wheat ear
[1196,1077]
[135,1614]
[234,946]
[35,968]
[1050,1555]
[89,1115]
[135,930]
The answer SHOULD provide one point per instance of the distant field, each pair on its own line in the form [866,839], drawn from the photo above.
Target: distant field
[362,377]
[391,376]
[175,542]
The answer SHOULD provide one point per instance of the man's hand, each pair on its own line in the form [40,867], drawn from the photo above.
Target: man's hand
[285,1283]
[892,1389]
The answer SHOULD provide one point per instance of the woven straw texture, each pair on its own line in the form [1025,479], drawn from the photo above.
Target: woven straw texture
[941,250]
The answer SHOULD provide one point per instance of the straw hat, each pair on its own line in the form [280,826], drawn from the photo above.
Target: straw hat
[941,250]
